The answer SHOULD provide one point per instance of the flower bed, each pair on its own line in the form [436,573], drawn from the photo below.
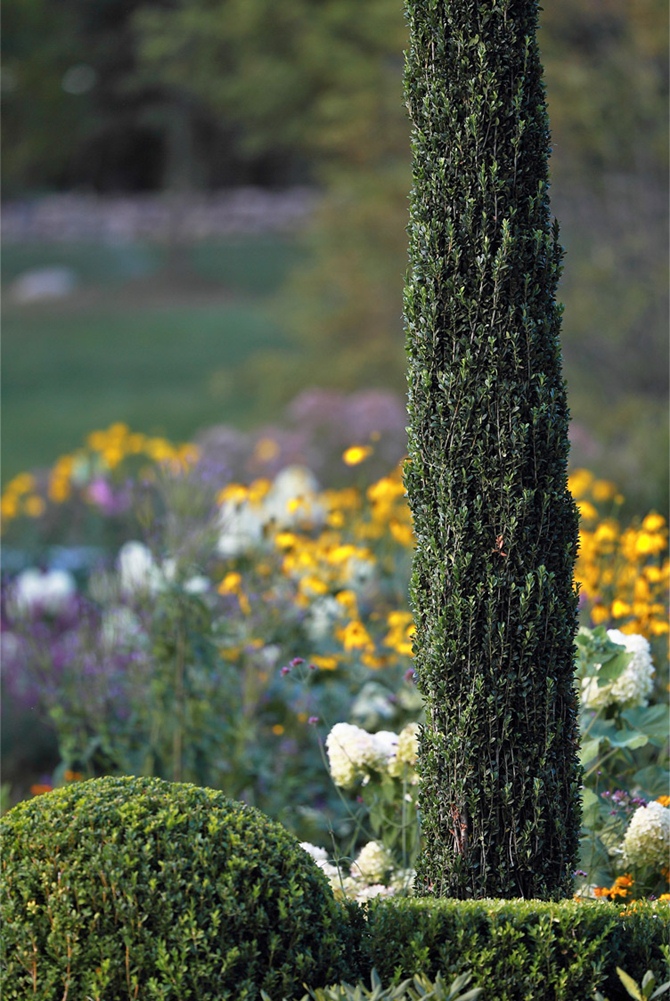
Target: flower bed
[246,635]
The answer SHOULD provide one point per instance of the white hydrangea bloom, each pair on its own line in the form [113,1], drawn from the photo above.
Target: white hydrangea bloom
[647,840]
[402,880]
[634,684]
[364,893]
[318,854]
[385,743]
[350,751]
[34,591]
[372,864]
[407,750]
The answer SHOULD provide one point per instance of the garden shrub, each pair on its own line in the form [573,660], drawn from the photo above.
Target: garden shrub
[496,528]
[129,887]
[520,950]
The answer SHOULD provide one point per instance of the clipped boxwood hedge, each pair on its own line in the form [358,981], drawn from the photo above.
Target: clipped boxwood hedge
[519,950]
[120,888]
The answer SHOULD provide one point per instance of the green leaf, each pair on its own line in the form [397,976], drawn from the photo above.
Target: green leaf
[613,667]
[630,985]
[589,750]
[652,720]
[653,781]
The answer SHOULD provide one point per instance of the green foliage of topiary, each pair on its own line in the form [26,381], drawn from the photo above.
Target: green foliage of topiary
[520,950]
[496,528]
[133,888]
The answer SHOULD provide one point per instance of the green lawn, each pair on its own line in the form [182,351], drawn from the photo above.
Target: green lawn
[154,343]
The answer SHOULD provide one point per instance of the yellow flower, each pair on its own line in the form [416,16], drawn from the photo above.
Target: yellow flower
[285,540]
[21,484]
[278,729]
[580,482]
[326,664]
[354,636]
[603,490]
[266,450]
[258,490]
[112,455]
[339,554]
[356,454]
[607,531]
[647,543]
[230,584]
[348,599]
[34,506]
[234,492]
[311,584]
[373,661]
[159,450]
[404,534]
[600,614]
[653,522]
[587,510]
[9,506]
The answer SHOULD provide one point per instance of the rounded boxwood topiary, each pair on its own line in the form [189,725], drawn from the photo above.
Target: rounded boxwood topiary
[137,888]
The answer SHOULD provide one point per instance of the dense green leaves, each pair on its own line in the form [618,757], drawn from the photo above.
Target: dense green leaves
[519,949]
[496,527]
[130,887]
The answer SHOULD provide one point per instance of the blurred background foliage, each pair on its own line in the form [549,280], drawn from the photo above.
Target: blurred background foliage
[179,95]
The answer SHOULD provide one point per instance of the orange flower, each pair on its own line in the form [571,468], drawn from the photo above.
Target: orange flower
[619,888]
[40,787]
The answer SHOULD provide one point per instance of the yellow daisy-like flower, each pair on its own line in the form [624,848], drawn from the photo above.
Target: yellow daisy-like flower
[354,636]
[356,454]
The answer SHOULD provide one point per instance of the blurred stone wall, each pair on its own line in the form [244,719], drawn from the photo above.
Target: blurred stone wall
[160,218]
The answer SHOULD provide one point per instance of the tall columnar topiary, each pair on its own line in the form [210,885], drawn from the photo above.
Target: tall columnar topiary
[492,591]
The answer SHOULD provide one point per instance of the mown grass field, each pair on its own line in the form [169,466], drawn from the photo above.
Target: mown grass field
[152,341]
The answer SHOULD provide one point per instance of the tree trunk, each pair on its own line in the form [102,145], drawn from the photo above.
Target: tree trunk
[492,588]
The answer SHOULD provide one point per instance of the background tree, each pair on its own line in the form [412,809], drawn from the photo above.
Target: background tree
[310,92]
[494,603]
[321,81]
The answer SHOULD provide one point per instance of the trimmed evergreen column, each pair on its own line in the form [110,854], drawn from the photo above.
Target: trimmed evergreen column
[492,591]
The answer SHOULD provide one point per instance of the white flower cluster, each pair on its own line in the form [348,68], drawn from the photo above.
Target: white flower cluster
[372,864]
[372,873]
[647,839]
[140,574]
[292,500]
[634,684]
[406,752]
[353,753]
[34,592]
